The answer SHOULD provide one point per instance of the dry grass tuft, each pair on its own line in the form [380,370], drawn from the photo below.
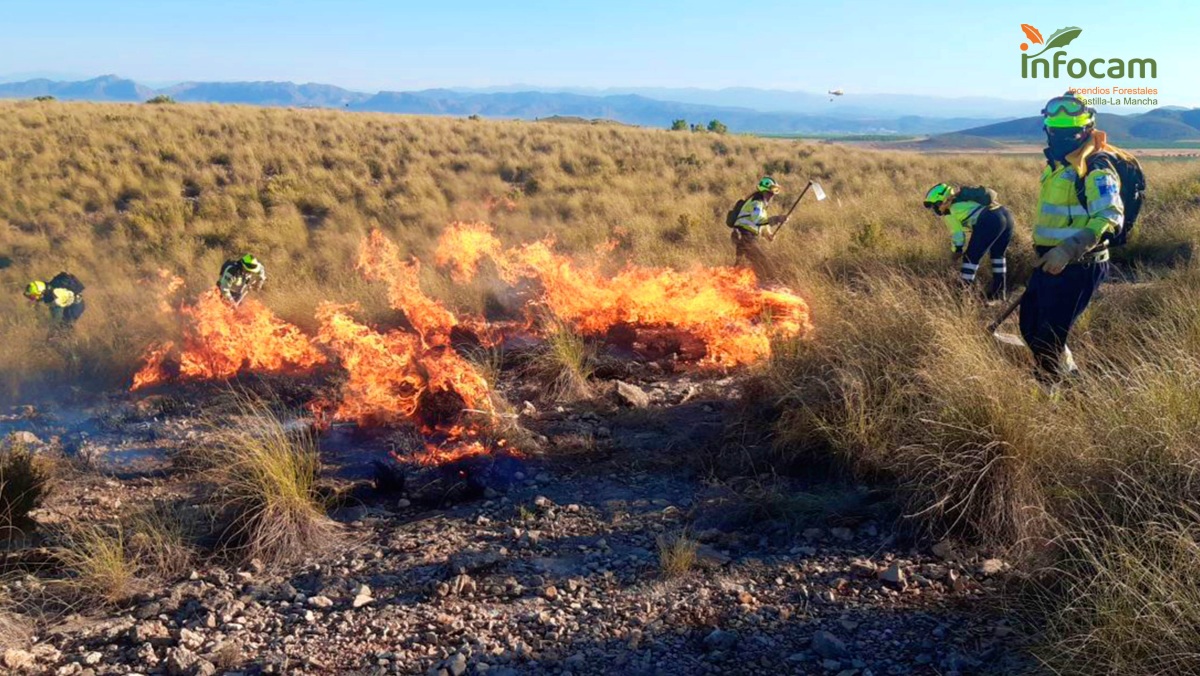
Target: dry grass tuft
[100,565]
[676,554]
[264,479]
[160,538]
[564,364]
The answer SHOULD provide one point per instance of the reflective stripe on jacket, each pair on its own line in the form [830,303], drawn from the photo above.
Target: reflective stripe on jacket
[753,216]
[961,219]
[234,276]
[60,297]
[1060,215]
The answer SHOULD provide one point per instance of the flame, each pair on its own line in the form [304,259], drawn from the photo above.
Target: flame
[494,204]
[391,374]
[168,284]
[723,307]
[152,371]
[383,385]
[415,377]
[378,261]
[221,340]
[440,454]
[471,243]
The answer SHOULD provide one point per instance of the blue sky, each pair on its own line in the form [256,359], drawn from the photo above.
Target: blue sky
[939,48]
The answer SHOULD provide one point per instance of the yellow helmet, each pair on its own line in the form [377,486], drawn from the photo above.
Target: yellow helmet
[35,290]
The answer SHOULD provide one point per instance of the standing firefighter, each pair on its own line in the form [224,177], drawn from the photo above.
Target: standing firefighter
[64,295]
[749,221]
[974,212]
[239,275]
[1090,197]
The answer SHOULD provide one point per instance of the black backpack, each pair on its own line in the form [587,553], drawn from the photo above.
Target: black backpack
[732,216]
[976,193]
[68,281]
[1133,187]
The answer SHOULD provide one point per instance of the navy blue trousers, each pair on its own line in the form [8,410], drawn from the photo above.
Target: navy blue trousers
[1050,307]
[992,233]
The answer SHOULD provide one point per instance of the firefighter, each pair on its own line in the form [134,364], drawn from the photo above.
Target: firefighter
[752,224]
[978,225]
[238,276]
[64,295]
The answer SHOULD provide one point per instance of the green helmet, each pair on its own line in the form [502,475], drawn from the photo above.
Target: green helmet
[35,290]
[768,184]
[1068,112]
[250,263]
[938,194]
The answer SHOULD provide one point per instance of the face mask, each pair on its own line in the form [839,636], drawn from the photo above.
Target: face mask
[1063,142]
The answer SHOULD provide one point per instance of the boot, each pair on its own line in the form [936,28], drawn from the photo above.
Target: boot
[999,288]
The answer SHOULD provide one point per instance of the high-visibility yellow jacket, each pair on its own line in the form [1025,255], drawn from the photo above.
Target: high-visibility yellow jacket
[961,220]
[235,279]
[1060,215]
[753,216]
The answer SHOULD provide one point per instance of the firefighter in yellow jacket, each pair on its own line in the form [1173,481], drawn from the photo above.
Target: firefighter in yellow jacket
[1079,207]
[753,223]
[63,294]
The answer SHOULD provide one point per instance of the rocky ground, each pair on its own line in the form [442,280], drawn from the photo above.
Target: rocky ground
[553,570]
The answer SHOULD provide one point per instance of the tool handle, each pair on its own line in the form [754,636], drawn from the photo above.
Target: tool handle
[1011,308]
[797,202]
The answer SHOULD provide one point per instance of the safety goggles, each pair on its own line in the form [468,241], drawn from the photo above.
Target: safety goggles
[1067,112]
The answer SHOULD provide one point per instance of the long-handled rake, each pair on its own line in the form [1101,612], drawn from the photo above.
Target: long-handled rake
[817,191]
[993,328]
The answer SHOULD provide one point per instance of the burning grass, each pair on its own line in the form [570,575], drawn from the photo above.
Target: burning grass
[722,307]
[222,340]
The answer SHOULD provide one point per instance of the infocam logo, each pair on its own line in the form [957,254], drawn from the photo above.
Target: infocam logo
[1057,64]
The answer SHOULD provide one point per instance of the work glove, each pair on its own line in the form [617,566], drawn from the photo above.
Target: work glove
[1072,248]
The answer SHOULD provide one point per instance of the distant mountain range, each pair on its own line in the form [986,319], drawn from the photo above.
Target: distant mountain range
[1162,125]
[637,109]
[741,109]
[781,100]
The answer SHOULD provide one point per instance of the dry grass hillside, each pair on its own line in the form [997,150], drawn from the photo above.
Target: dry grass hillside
[1093,485]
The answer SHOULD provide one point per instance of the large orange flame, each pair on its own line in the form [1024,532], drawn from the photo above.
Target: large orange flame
[221,340]
[390,373]
[416,377]
[472,242]
[723,307]
[379,261]
[383,385]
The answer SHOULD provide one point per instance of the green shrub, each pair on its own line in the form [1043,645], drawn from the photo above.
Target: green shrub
[24,484]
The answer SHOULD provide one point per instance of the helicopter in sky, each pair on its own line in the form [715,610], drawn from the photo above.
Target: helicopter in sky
[835,92]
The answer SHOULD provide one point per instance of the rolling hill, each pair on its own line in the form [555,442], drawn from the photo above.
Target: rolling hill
[103,88]
[525,105]
[1158,126]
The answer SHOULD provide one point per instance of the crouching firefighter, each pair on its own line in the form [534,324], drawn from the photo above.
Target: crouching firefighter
[1090,197]
[64,295]
[750,223]
[238,276]
[978,225]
